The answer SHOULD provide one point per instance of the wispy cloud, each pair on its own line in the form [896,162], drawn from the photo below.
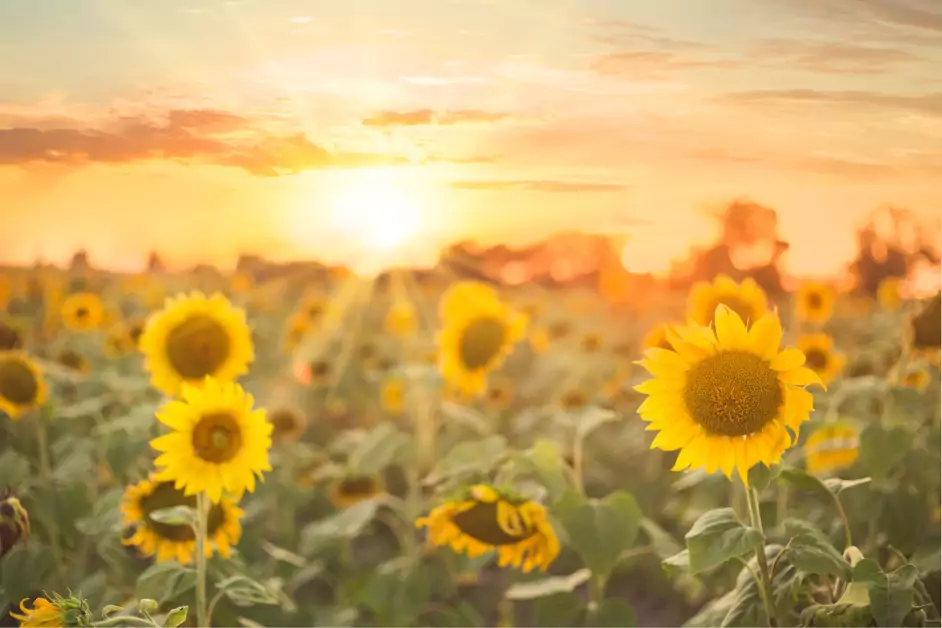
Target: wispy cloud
[828,57]
[927,104]
[418,117]
[543,185]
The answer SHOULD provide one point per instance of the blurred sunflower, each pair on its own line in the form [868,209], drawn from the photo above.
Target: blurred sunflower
[175,541]
[73,360]
[241,282]
[368,355]
[831,448]
[539,340]
[889,293]
[296,328]
[321,373]
[726,397]
[393,396]
[814,302]
[117,342]
[573,399]
[11,337]
[402,319]
[353,489]
[314,307]
[656,337]
[746,299]
[820,355]
[82,311]
[484,519]
[22,387]
[614,384]
[55,613]
[477,334]
[558,330]
[219,441]
[499,394]
[916,377]
[591,342]
[288,424]
[925,331]
[195,336]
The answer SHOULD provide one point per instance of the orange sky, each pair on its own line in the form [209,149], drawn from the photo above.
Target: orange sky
[209,127]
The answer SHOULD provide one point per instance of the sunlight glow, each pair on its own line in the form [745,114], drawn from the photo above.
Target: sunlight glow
[374,210]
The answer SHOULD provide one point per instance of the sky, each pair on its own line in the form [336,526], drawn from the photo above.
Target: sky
[307,129]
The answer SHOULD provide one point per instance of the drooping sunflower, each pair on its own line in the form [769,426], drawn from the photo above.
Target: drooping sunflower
[393,396]
[11,337]
[916,377]
[353,489]
[167,541]
[73,360]
[478,332]
[925,331]
[820,355]
[56,612]
[726,397]
[22,386]
[889,293]
[746,299]
[288,424]
[82,311]
[484,519]
[831,448]
[402,319]
[14,523]
[814,302]
[219,441]
[656,337]
[193,337]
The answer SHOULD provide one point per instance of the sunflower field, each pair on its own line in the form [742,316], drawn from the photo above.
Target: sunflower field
[325,449]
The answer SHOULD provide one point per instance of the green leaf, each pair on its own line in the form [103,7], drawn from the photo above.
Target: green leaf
[397,592]
[590,419]
[176,617]
[838,486]
[679,562]
[663,543]
[882,448]
[891,594]
[548,586]
[283,555]
[175,516]
[718,536]
[469,457]
[382,447]
[164,581]
[14,468]
[612,612]
[346,524]
[760,476]
[810,550]
[549,466]
[25,569]
[558,611]
[600,530]
[800,479]
[927,560]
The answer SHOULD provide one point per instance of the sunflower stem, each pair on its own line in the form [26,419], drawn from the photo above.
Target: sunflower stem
[755,518]
[201,566]
[45,472]
[848,540]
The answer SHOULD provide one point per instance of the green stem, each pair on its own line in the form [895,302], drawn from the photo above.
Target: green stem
[578,457]
[848,541]
[201,566]
[596,590]
[45,473]
[755,518]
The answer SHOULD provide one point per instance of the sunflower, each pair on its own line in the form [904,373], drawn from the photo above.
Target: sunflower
[117,342]
[11,337]
[484,519]
[820,356]
[591,342]
[401,320]
[55,613]
[573,400]
[831,448]
[296,328]
[22,387]
[321,373]
[746,299]
[539,341]
[925,331]
[558,330]
[167,540]
[916,377]
[368,355]
[815,302]
[82,311]
[219,442]
[393,396]
[499,394]
[656,337]
[478,333]
[314,308]
[193,337]
[353,489]
[73,361]
[889,293]
[726,397]
[288,424]
[240,283]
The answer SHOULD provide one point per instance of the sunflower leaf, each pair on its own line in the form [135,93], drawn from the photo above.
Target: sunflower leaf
[346,524]
[469,457]
[383,446]
[891,594]
[760,476]
[810,550]
[718,536]
[548,586]
[600,530]
[175,516]
[162,581]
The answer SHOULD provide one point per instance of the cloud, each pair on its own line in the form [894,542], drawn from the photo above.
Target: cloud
[441,81]
[653,63]
[537,186]
[199,135]
[419,117]
[831,57]
[914,15]
[926,104]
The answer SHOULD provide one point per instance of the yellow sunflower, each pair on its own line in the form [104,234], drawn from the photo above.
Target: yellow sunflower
[22,386]
[321,373]
[193,337]
[219,442]
[56,613]
[656,337]
[746,299]
[176,541]
[925,331]
[476,335]
[916,377]
[393,396]
[889,293]
[73,361]
[485,519]
[558,330]
[815,302]
[499,394]
[288,424]
[368,355]
[11,337]
[402,319]
[831,448]
[820,356]
[591,342]
[314,307]
[726,397]
[82,311]
[353,489]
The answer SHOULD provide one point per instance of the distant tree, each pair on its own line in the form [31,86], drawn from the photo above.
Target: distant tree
[154,263]
[79,261]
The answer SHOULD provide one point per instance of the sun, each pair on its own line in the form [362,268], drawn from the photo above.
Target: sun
[376,210]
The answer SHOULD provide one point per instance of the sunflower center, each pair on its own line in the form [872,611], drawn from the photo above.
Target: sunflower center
[70,359]
[481,342]
[197,347]
[358,485]
[742,308]
[17,382]
[164,496]
[733,393]
[283,421]
[320,369]
[558,330]
[591,343]
[81,313]
[135,333]
[573,399]
[217,438]
[9,337]
[816,359]
[480,523]
[814,301]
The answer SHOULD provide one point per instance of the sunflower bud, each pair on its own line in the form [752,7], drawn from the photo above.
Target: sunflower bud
[14,524]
